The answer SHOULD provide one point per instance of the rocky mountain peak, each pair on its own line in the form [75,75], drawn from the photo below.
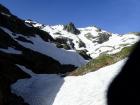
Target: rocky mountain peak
[71,28]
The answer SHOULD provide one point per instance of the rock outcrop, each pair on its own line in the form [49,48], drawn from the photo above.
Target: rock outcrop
[71,28]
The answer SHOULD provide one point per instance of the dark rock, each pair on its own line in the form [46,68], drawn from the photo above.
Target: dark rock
[103,37]
[9,74]
[65,46]
[58,33]
[4,9]
[84,54]
[18,26]
[136,33]
[63,42]
[81,44]
[71,28]
[98,30]
[125,88]
[6,41]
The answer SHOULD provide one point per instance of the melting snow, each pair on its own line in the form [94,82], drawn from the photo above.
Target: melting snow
[47,89]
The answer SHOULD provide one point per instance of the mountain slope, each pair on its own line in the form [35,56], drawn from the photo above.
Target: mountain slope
[92,40]
[33,52]
[102,61]
[22,44]
[100,47]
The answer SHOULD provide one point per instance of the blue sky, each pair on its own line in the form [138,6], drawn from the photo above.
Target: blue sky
[117,16]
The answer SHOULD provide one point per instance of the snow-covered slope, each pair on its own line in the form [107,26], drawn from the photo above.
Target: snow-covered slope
[95,40]
[89,89]
[89,37]
[47,48]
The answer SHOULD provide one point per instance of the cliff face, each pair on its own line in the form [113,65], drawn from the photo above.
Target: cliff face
[9,73]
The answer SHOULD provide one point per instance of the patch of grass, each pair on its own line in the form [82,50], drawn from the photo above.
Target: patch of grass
[103,60]
[124,44]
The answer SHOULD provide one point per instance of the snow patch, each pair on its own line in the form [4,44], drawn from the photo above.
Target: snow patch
[47,89]
[49,49]
[26,70]
[11,50]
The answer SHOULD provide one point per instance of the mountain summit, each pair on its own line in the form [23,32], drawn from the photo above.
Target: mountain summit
[71,28]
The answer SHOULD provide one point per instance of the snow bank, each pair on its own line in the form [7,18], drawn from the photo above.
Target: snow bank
[89,89]
[47,48]
[41,89]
